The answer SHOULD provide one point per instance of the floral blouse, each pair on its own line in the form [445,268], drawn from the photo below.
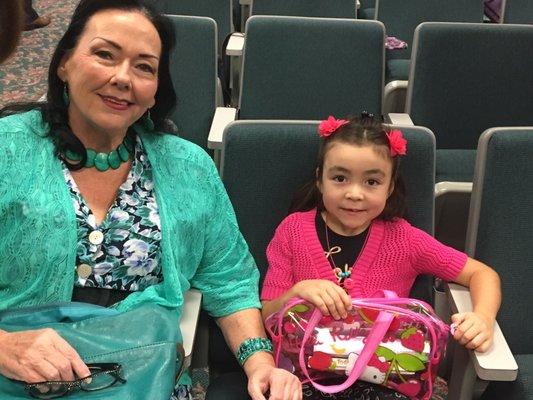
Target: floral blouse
[123,252]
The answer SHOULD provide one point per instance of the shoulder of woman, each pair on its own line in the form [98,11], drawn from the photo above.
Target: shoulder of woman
[172,148]
[24,122]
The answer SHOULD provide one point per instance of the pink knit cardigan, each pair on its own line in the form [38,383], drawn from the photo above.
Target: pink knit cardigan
[394,254]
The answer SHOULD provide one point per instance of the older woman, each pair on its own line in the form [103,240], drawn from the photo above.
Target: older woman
[99,204]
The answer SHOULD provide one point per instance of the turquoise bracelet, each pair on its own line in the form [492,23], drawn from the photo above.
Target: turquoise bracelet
[251,346]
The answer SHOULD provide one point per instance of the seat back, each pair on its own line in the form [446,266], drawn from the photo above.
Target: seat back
[265,162]
[459,86]
[220,10]
[309,68]
[517,12]
[500,222]
[402,17]
[305,8]
[194,72]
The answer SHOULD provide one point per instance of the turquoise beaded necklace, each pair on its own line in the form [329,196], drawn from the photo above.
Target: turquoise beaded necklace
[103,161]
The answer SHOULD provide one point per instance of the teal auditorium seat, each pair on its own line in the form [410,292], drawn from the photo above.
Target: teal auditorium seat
[402,17]
[466,78]
[517,12]
[220,10]
[194,72]
[367,9]
[308,68]
[499,234]
[305,8]
[263,164]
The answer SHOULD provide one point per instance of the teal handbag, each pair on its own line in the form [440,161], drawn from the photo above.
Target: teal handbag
[145,341]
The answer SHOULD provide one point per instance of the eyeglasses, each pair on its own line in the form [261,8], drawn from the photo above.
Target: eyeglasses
[103,375]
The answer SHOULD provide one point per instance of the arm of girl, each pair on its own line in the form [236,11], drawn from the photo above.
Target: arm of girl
[330,298]
[475,329]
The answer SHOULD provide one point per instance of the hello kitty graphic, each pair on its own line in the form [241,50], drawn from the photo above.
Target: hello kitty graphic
[375,371]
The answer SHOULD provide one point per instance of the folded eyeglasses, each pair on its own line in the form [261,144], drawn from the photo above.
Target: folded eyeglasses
[103,375]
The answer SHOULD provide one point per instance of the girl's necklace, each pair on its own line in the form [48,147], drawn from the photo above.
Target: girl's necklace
[343,277]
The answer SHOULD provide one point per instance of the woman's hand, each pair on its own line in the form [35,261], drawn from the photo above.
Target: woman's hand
[474,330]
[263,377]
[328,297]
[39,355]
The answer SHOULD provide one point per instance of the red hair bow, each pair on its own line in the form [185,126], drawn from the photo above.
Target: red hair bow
[330,125]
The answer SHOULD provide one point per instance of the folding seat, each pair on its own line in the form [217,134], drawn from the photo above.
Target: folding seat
[464,79]
[517,12]
[305,8]
[194,76]
[309,68]
[401,19]
[499,234]
[367,9]
[220,10]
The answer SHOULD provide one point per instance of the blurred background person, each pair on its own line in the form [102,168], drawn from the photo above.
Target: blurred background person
[33,20]
[11,24]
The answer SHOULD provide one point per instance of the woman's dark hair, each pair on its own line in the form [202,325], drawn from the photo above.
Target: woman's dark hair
[365,131]
[55,109]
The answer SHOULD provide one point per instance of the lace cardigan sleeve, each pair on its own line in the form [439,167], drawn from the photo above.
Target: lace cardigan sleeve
[227,275]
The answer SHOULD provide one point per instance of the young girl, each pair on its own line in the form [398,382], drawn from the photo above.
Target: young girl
[347,238]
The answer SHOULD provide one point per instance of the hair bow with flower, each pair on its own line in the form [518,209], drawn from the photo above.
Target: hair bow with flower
[397,143]
[330,125]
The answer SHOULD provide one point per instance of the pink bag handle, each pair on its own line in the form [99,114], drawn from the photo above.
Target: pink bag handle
[379,329]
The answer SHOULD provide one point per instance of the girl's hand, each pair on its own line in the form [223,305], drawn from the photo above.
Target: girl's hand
[474,330]
[328,297]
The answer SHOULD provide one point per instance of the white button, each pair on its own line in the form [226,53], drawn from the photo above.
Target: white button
[96,237]
[84,271]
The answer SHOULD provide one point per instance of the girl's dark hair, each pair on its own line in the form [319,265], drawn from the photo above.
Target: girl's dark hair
[55,109]
[363,131]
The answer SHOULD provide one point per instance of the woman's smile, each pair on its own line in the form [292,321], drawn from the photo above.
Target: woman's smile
[115,103]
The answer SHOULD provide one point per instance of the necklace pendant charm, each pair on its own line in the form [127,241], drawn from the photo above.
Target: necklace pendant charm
[348,283]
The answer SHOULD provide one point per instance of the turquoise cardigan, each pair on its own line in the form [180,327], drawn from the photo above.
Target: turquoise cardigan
[201,244]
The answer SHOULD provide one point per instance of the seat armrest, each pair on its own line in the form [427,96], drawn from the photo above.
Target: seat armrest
[394,95]
[235,44]
[189,322]
[399,119]
[222,118]
[442,188]
[497,363]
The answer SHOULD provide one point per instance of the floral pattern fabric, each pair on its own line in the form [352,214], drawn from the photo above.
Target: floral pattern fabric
[128,256]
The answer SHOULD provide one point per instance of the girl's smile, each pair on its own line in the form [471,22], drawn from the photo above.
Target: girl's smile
[355,185]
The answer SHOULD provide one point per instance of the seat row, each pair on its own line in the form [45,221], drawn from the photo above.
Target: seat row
[464,78]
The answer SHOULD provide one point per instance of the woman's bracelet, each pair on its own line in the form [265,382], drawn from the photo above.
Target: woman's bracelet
[252,346]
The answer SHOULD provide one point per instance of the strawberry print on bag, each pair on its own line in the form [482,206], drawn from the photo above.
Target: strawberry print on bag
[400,342]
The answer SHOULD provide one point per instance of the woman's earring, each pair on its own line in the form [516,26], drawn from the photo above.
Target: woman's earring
[66,99]
[147,121]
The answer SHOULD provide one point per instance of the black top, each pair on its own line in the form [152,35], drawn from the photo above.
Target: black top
[346,249]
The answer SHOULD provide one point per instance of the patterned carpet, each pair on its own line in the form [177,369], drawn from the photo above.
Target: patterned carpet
[23,76]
